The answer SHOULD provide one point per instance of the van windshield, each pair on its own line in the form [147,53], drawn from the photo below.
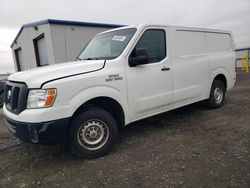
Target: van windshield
[108,45]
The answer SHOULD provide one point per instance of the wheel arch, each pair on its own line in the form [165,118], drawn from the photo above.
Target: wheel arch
[108,104]
[222,78]
[219,74]
[103,97]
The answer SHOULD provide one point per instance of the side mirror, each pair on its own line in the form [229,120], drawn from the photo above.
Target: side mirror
[139,56]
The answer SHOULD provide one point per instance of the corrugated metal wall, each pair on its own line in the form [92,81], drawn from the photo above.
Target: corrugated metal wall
[63,42]
[68,41]
[25,41]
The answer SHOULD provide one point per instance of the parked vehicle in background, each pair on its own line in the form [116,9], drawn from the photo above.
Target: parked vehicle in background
[123,75]
[2,84]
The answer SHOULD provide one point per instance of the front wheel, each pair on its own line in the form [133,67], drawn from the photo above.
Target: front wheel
[217,94]
[92,133]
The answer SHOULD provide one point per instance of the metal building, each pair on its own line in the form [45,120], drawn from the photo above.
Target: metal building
[51,41]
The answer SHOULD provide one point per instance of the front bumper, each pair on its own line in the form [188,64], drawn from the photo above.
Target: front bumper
[52,132]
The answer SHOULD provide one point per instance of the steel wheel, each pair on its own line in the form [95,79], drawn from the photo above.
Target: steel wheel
[93,134]
[218,95]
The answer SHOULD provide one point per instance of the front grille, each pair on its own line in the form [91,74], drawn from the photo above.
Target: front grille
[15,95]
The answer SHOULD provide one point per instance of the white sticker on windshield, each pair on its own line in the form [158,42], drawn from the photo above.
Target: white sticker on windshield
[119,38]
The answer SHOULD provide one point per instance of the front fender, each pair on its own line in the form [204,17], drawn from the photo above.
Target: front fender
[98,91]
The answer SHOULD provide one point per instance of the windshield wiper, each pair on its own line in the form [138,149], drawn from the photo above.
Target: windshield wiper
[91,58]
[96,58]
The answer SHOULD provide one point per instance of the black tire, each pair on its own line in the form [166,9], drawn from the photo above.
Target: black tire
[92,122]
[217,94]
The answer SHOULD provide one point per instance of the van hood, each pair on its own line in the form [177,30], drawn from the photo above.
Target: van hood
[35,78]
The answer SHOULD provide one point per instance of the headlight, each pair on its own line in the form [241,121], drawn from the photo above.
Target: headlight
[41,98]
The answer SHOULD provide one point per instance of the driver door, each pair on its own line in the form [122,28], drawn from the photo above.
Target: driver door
[150,86]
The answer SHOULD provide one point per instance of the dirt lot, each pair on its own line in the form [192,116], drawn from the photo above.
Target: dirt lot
[187,147]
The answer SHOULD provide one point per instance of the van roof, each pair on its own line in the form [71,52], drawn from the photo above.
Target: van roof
[114,26]
[139,26]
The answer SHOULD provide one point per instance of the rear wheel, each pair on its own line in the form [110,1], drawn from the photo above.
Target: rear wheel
[92,133]
[217,94]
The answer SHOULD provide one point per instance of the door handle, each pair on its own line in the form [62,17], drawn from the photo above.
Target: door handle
[165,69]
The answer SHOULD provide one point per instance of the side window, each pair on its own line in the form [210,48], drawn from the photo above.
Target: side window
[154,41]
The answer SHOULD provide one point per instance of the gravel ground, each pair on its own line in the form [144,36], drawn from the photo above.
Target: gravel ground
[188,147]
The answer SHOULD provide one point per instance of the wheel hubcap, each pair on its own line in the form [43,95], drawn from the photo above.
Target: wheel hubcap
[218,95]
[93,134]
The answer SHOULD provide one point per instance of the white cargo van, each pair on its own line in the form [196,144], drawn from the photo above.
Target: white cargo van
[123,75]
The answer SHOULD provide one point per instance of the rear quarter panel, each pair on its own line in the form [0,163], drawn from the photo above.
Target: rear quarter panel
[222,61]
